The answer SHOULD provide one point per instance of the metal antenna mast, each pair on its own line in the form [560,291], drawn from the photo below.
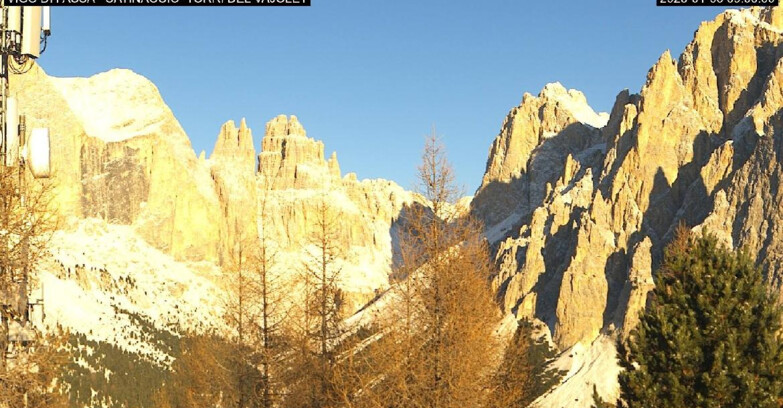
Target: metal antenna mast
[24,31]
[23,34]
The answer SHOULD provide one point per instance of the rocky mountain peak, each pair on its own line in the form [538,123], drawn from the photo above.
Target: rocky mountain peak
[574,102]
[334,166]
[535,139]
[580,216]
[293,159]
[115,105]
[533,121]
[282,126]
[235,145]
[578,205]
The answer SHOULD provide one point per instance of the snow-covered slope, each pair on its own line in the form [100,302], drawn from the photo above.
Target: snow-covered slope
[585,366]
[98,277]
[114,105]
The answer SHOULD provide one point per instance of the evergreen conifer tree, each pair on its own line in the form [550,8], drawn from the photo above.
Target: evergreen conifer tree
[709,338]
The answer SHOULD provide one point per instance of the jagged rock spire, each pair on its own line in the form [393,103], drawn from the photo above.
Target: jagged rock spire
[293,159]
[235,146]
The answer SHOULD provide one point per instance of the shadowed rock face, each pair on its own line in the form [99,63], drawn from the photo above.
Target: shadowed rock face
[579,215]
[529,154]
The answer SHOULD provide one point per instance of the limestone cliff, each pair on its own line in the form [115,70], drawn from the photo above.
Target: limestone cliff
[292,159]
[293,177]
[232,167]
[579,209]
[535,139]
[121,156]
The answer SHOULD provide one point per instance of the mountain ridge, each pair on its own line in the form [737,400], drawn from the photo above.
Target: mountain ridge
[579,221]
[578,205]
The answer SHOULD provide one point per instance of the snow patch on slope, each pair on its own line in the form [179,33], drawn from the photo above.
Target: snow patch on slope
[114,105]
[594,364]
[503,229]
[99,278]
[576,103]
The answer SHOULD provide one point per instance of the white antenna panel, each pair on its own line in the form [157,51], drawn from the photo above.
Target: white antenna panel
[46,20]
[12,133]
[31,31]
[38,153]
[15,19]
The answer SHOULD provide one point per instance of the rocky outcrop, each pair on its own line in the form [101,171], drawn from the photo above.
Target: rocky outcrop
[294,178]
[121,156]
[234,147]
[232,167]
[534,141]
[290,159]
[591,205]
[118,150]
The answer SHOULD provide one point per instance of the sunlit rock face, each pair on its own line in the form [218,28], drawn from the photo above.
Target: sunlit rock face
[534,142]
[294,177]
[579,205]
[150,233]
[120,155]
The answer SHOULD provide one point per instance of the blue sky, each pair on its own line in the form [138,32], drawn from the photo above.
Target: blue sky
[370,78]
